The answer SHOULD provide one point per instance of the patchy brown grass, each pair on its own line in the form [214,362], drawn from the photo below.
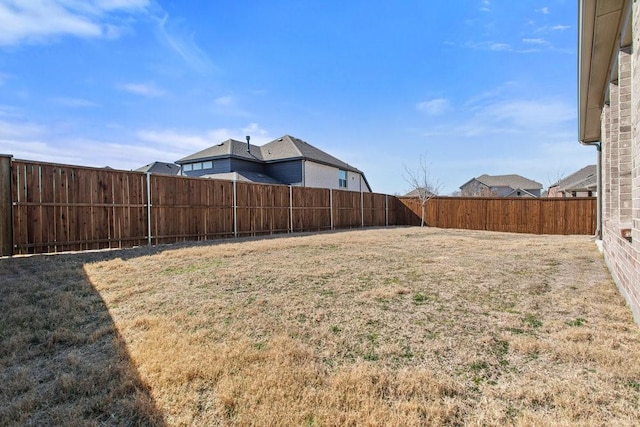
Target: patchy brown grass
[389,327]
[62,361]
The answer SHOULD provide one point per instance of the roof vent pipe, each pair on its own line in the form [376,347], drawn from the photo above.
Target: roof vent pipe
[248,145]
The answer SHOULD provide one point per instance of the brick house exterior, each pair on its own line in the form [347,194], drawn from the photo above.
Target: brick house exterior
[609,119]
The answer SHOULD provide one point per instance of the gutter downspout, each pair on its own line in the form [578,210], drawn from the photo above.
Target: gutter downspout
[598,146]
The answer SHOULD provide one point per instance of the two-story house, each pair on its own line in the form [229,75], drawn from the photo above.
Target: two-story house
[286,160]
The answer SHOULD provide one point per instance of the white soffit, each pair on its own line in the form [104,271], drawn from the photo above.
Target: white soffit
[600,24]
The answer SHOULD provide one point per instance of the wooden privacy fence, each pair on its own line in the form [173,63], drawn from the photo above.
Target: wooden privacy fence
[57,208]
[515,215]
[48,207]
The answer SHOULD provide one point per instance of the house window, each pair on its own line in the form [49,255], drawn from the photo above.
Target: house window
[342,179]
[187,167]
[207,165]
[197,166]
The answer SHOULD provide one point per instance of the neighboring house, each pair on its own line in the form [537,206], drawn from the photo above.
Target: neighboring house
[286,160]
[500,186]
[160,168]
[582,183]
[609,119]
[419,192]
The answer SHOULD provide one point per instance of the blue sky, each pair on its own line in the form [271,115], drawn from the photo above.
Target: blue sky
[473,86]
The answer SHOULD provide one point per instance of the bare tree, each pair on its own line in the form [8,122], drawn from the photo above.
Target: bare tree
[553,180]
[422,185]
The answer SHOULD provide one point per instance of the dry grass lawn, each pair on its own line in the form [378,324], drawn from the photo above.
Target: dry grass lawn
[379,327]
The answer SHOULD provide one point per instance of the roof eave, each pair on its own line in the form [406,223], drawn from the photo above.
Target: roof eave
[602,26]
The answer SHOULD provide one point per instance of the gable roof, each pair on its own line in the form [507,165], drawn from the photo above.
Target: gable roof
[523,193]
[290,147]
[514,181]
[583,179]
[161,168]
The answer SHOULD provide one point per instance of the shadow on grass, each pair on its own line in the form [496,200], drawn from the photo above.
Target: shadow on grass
[62,360]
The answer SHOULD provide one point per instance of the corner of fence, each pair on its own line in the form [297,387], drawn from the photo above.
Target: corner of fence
[6,206]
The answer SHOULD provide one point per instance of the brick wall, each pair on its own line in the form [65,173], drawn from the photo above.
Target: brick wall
[620,123]
[635,129]
[605,121]
[624,135]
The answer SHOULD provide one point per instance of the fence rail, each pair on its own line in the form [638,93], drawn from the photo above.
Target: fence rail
[48,207]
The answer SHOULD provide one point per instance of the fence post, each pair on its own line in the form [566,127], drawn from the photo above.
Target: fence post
[386,210]
[148,209]
[235,209]
[361,209]
[290,209]
[331,207]
[6,206]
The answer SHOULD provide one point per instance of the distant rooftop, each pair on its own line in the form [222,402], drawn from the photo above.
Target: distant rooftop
[584,179]
[417,192]
[161,168]
[513,181]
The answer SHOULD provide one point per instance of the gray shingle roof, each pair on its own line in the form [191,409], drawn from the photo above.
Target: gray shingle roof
[288,147]
[230,147]
[161,168]
[584,179]
[514,181]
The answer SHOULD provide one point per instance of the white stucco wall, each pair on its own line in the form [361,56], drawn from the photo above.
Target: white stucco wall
[356,181]
[323,176]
